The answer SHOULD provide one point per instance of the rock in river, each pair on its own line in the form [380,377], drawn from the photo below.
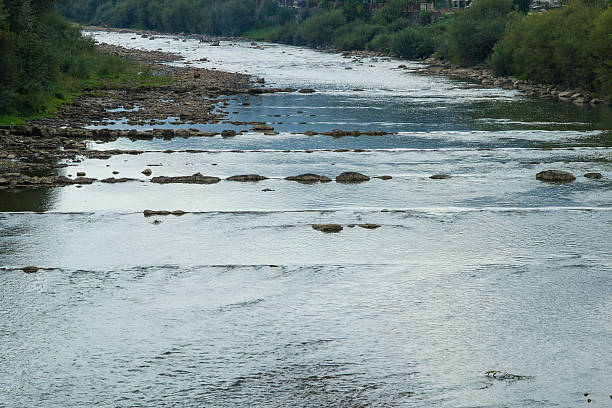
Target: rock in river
[147,172]
[30,269]
[440,176]
[558,176]
[351,177]
[309,178]
[595,176]
[369,226]
[247,177]
[197,178]
[327,227]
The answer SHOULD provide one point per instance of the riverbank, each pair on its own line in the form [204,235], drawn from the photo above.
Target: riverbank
[486,77]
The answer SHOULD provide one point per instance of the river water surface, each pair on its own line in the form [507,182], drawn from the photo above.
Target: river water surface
[240,302]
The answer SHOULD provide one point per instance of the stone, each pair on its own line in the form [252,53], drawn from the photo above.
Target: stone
[309,178]
[228,133]
[147,172]
[558,176]
[30,269]
[196,178]
[369,226]
[307,90]
[81,174]
[440,176]
[327,228]
[351,177]
[595,176]
[113,180]
[262,128]
[149,213]
[247,177]
[385,177]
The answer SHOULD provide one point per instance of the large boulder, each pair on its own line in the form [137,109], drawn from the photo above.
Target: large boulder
[351,177]
[557,176]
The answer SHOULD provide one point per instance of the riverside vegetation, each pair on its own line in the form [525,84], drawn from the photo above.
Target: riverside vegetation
[569,47]
[46,62]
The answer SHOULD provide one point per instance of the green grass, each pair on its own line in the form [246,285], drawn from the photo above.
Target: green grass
[261,33]
[133,76]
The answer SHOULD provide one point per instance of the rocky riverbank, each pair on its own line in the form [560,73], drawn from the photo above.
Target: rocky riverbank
[487,78]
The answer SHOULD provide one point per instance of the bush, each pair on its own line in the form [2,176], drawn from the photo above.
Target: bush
[474,32]
[567,46]
[355,36]
[319,29]
[412,42]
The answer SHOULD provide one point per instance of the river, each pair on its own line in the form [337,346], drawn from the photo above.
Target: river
[240,302]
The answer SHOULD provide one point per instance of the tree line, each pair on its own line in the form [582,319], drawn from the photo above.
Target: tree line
[569,46]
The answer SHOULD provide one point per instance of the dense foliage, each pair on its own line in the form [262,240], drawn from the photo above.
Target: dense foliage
[42,57]
[571,46]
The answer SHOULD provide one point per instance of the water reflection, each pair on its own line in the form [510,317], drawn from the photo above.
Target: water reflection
[32,199]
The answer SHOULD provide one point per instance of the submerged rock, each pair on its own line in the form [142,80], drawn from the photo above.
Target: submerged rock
[351,177]
[309,178]
[147,172]
[196,178]
[558,176]
[113,180]
[307,90]
[149,213]
[385,177]
[247,177]
[30,269]
[328,228]
[440,176]
[595,176]
[503,376]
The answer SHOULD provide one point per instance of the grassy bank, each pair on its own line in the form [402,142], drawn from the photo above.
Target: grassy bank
[46,62]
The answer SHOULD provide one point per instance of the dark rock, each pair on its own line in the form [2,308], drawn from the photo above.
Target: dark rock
[327,227]
[30,269]
[440,176]
[385,177]
[369,226]
[307,90]
[81,174]
[147,172]
[247,177]
[558,176]
[351,177]
[228,133]
[149,213]
[595,176]
[196,178]
[113,180]
[309,178]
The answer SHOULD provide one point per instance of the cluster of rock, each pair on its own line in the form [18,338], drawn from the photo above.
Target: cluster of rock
[487,77]
[18,180]
[562,176]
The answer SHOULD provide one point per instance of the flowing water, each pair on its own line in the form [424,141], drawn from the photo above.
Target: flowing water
[240,302]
